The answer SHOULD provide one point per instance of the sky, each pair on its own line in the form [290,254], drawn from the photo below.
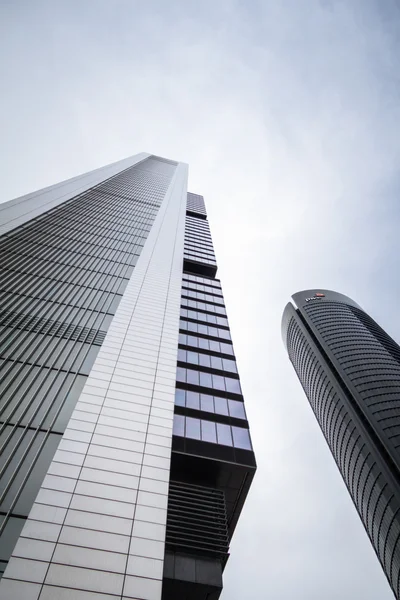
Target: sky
[288,114]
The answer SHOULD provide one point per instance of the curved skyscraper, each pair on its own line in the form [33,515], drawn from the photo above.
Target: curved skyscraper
[349,368]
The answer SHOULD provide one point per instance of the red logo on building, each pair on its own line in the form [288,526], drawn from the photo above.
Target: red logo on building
[318,295]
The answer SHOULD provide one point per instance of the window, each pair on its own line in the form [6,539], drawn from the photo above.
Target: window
[208,432]
[179,425]
[241,438]
[224,434]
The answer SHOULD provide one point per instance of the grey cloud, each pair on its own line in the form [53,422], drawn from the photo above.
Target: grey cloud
[287,113]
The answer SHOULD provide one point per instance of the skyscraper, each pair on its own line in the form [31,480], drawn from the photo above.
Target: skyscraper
[127,455]
[349,368]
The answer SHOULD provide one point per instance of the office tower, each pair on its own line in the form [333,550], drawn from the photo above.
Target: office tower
[349,368]
[126,460]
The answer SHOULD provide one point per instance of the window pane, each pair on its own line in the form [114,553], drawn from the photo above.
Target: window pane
[204,360]
[207,403]
[192,341]
[180,397]
[181,374]
[208,433]
[192,400]
[192,428]
[193,358]
[221,406]
[229,365]
[181,355]
[193,377]
[205,380]
[203,329]
[224,434]
[214,346]
[241,438]
[216,362]
[183,338]
[218,382]
[226,348]
[179,425]
[224,334]
[233,385]
[203,343]
[236,409]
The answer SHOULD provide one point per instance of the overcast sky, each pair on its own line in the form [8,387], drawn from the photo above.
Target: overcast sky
[288,114]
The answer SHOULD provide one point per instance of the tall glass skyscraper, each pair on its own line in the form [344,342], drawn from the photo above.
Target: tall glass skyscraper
[350,371]
[126,449]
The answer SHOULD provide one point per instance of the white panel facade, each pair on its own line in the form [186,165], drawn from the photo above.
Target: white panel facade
[98,523]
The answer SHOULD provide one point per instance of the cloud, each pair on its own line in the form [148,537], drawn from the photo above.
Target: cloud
[287,113]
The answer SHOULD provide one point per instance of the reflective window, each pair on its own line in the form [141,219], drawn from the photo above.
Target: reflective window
[193,428]
[193,400]
[236,409]
[206,380]
[207,403]
[241,438]
[208,432]
[179,425]
[221,406]
[224,434]
[180,398]
[233,385]
[192,377]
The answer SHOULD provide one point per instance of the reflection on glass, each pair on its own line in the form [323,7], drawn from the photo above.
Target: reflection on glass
[181,374]
[205,380]
[218,382]
[221,406]
[192,377]
[179,425]
[192,400]
[180,397]
[208,433]
[233,385]
[216,362]
[241,438]
[207,403]
[224,434]
[193,428]
[236,409]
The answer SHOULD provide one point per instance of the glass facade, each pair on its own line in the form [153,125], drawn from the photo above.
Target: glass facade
[125,443]
[210,430]
[350,370]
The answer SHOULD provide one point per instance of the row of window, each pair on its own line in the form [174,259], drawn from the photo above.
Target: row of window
[198,287]
[198,239]
[215,433]
[196,223]
[200,250]
[199,316]
[199,245]
[201,296]
[215,332]
[215,283]
[208,380]
[205,360]
[198,258]
[219,310]
[205,344]
[199,253]
[211,404]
